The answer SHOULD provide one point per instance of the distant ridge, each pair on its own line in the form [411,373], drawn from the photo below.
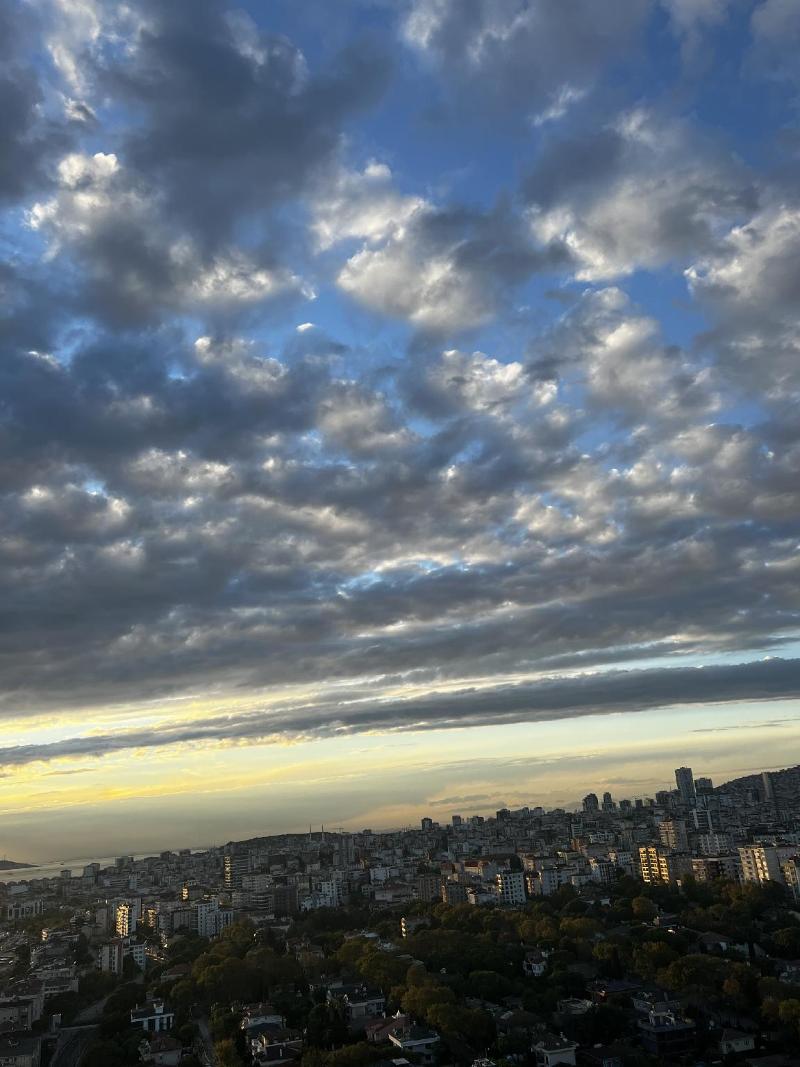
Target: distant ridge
[785,785]
[10,865]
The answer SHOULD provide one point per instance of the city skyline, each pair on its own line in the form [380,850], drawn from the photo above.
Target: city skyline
[392,411]
[249,824]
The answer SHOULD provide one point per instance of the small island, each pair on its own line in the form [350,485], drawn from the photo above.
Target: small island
[11,865]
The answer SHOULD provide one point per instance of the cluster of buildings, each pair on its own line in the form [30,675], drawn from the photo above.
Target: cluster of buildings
[750,835]
[125,914]
[693,830]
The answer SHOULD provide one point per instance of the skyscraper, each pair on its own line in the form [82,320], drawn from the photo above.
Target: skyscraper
[684,779]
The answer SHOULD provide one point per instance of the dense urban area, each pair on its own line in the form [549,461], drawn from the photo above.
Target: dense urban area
[636,932]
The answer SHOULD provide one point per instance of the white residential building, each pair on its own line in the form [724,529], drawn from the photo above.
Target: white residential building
[510,886]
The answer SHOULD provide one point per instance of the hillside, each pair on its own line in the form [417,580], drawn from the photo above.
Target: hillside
[785,783]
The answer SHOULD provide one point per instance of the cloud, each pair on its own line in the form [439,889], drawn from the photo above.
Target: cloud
[776,38]
[561,103]
[362,205]
[31,135]
[556,698]
[439,269]
[640,193]
[198,496]
[339,537]
[134,267]
[520,54]
[217,125]
[692,19]
[749,283]
[233,120]
[447,269]
[618,357]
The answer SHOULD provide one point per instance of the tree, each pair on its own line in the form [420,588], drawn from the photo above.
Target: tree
[82,954]
[787,942]
[789,1014]
[226,1054]
[105,1054]
[699,977]
[419,999]
[473,1026]
[327,1026]
[183,994]
[362,1054]
[608,955]
[651,957]
[488,985]
[643,908]
[225,980]
[578,929]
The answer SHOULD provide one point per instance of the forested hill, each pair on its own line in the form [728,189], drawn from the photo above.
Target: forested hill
[785,783]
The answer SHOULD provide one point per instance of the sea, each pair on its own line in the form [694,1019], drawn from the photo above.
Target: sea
[75,865]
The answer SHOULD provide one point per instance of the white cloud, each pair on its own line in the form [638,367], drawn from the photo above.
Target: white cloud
[561,102]
[391,273]
[437,269]
[658,199]
[520,51]
[428,291]
[750,284]
[475,380]
[624,364]
[95,197]
[79,29]
[360,422]
[361,205]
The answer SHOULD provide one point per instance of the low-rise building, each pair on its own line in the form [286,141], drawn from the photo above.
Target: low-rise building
[153,1016]
[553,1049]
[419,1041]
[19,1048]
[161,1050]
[666,1035]
[734,1042]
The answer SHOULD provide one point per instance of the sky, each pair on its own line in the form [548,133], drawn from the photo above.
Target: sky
[398,409]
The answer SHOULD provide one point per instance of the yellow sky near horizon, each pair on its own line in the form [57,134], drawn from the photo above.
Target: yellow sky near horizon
[178,794]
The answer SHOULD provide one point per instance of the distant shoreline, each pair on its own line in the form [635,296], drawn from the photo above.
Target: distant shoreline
[11,865]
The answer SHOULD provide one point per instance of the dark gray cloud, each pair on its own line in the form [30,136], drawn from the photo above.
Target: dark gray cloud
[448,270]
[553,698]
[31,136]
[180,515]
[233,119]
[642,191]
[217,125]
[521,55]
[750,284]
[775,40]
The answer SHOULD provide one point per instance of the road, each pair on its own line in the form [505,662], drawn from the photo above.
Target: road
[71,1046]
[73,1040]
[91,1014]
[208,1055]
